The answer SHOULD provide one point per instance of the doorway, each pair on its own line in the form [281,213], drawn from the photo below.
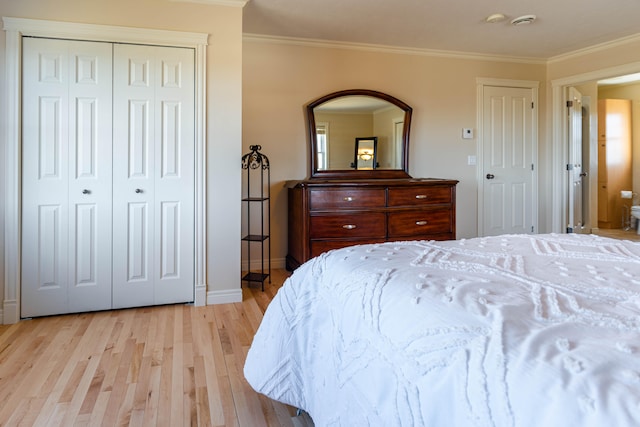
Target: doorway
[588,85]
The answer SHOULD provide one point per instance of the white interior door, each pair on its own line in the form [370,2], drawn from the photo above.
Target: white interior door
[153,175]
[66,177]
[507,165]
[575,220]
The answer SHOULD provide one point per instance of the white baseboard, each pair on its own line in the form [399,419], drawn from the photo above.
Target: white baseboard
[235,295]
[200,295]
[224,297]
[9,312]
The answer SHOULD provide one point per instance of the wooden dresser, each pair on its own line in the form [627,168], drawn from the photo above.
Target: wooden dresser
[330,214]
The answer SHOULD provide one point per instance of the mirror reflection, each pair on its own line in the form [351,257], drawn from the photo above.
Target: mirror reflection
[341,119]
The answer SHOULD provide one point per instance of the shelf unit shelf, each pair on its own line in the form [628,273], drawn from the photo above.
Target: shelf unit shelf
[257,204]
[255,277]
[255,238]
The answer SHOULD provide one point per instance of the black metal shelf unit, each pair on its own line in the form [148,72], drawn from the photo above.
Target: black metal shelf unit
[257,204]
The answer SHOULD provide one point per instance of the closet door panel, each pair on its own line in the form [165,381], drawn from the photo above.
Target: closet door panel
[90,177]
[133,172]
[45,207]
[174,190]
[66,150]
[153,145]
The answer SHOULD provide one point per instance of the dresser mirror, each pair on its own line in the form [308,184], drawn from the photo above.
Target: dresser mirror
[366,120]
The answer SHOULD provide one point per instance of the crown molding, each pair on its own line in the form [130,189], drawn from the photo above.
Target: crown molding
[600,74]
[388,49]
[440,53]
[232,3]
[108,33]
[635,38]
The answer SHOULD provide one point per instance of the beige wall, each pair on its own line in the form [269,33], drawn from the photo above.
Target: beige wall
[384,129]
[223,103]
[280,79]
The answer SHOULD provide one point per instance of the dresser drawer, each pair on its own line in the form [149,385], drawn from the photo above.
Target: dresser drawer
[369,224]
[420,223]
[320,246]
[347,198]
[413,196]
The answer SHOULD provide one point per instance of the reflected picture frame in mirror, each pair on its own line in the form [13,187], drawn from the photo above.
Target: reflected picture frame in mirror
[334,122]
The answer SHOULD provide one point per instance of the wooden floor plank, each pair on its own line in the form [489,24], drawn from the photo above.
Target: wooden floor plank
[150,366]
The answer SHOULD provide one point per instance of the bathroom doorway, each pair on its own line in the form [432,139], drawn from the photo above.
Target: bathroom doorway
[589,84]
[610,183]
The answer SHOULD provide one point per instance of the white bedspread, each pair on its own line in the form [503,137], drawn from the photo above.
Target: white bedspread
[514,330]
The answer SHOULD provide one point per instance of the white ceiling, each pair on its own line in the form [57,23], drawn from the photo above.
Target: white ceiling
[561,27]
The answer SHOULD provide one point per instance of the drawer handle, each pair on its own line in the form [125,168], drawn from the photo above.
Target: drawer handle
[348,199]
[349,226]
[421,222]
[421,196]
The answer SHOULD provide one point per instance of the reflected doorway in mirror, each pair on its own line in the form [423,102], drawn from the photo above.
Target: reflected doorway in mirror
[366,150]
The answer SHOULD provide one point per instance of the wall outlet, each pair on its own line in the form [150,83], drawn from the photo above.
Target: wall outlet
[467,133]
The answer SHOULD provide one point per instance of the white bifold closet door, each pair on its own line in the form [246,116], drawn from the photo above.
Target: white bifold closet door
[153,175]
[66,177]
[107,176]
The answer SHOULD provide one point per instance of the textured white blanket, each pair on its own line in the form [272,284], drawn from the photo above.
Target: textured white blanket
[514,330]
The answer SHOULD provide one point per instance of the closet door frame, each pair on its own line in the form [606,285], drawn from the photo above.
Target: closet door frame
[16,29]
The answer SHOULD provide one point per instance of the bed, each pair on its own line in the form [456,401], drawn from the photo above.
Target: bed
[518,330]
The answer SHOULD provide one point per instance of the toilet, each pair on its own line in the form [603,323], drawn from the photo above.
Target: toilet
[635,212]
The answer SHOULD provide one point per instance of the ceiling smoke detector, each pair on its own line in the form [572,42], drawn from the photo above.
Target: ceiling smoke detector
[524,20]
[496,17]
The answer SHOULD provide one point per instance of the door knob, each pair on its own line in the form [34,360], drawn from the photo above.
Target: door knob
[138,190]
[490,176]
[85,191]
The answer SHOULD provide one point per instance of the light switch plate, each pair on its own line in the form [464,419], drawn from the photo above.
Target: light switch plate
[467,133]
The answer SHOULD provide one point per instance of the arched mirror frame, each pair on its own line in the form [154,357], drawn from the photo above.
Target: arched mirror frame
[403,172]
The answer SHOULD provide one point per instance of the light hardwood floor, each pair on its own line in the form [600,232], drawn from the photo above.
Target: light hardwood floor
[631,234]
[173,366]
